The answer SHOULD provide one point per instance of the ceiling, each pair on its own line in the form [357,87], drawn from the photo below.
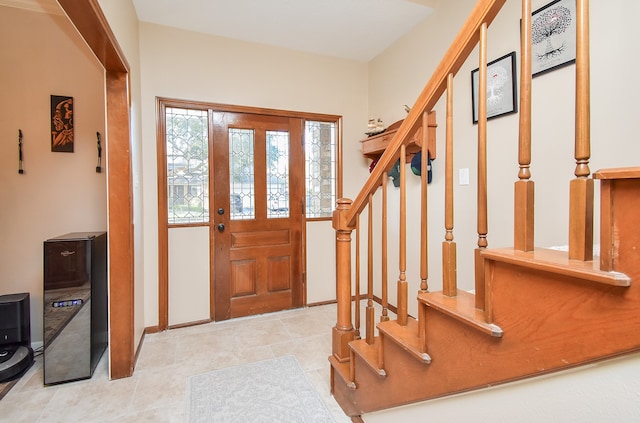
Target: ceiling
[350,29]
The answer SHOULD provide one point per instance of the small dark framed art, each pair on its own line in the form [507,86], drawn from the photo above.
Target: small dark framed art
[501,87]
[61,124]
[553,36]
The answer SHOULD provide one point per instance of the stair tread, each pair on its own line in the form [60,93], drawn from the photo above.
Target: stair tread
[461,307]
[342,370]
[618,173]
[557,261]
[369,354]
[406,336]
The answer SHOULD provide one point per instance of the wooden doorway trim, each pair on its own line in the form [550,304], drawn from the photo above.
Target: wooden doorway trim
[92,25]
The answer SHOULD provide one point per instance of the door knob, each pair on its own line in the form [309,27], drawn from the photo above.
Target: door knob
[220,227]
[221,211]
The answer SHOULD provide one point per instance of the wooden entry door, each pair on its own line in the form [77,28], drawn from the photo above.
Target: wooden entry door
[258,163]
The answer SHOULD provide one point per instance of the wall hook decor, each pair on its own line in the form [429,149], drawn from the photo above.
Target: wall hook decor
[99,166]
[20,170]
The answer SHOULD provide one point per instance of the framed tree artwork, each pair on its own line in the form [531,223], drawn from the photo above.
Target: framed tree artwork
[61,124]
[553,36]
[501,87]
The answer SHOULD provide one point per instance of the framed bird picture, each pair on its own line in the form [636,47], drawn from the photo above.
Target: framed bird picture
[553,36]
[501,87]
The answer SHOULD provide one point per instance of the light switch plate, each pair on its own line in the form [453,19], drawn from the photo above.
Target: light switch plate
[464,176]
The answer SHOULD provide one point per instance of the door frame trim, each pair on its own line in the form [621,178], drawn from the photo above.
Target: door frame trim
[92,25]
[163,226]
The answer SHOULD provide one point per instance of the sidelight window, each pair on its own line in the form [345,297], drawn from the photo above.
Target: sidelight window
[187,143]
[321,168]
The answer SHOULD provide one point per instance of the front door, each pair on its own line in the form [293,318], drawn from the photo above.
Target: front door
[257,219]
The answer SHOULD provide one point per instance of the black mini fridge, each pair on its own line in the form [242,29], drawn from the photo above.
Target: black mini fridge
[75,305]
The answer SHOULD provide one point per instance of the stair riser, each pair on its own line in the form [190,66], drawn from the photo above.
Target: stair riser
[550,323]
[554,319]
[619,230]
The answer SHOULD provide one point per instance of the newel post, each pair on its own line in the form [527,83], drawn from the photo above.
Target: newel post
[343,331]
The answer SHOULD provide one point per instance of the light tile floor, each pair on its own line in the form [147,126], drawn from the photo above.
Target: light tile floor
[156,391]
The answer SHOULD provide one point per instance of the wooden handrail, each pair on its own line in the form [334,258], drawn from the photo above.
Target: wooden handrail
[346,215]
[484,12]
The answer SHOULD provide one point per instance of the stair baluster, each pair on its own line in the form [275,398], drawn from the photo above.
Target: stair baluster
[370,309]
[482,140]
[449,264]
[581,188]
[482,164]
[356,299]
[384,277]
[523,221]
[424,256]
[403,293]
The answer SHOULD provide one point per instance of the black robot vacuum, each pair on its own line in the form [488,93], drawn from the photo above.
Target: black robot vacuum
[14,360]
[16,354]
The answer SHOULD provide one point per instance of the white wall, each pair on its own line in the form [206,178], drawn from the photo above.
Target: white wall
[123,21]
[189,290]
[603,392]
[321,262]
[399,74]
[58,193]
[193,66]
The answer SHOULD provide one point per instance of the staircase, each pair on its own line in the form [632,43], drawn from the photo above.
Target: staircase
[534,311]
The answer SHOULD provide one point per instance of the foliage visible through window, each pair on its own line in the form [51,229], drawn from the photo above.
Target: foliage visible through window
[320,151]
[187,165]
[187,143]
[241,174]
[277,174]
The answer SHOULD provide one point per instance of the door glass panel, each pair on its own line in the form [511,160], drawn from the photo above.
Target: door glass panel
[277,174]
[241,174]
[187,137]
[321,156]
